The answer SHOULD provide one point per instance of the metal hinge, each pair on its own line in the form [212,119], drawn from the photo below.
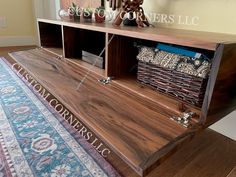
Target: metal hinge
[184,119]
[105,81]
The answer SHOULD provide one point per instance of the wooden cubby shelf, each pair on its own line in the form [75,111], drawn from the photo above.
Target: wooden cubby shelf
[133,120]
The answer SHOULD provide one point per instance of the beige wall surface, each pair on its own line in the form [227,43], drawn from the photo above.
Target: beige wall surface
[20,22]
[203,15]
[210,15]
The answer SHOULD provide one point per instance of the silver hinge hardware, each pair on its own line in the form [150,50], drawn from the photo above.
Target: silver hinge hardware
[184,119]
[105,81]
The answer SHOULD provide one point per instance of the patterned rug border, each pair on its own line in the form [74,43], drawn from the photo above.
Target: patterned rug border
[5,157]
[106,166]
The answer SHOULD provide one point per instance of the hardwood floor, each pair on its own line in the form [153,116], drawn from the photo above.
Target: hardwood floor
[209,154]
[232,173]
[5,50]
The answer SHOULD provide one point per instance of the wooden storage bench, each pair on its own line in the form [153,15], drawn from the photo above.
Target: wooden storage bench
[137,123]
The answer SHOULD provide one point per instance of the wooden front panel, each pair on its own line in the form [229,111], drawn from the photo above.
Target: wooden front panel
[220,97]
[135,128]
[207,152]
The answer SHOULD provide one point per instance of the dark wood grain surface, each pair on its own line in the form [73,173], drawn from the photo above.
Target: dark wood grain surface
[137,129]
[220,98]
[121,56]
[198,39]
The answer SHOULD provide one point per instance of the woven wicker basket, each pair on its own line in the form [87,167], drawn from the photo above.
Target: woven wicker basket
[186,87]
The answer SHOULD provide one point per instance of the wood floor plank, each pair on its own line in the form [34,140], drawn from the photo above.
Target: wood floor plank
[232,173]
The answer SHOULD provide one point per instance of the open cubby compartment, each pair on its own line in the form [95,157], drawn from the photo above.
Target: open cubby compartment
[123,64]
[122,54]
[85,45]
[50,35]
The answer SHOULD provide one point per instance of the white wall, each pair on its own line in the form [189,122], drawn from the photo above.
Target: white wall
[46,8]
[227,126]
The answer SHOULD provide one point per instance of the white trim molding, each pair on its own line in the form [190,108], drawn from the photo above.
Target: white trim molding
[6,41]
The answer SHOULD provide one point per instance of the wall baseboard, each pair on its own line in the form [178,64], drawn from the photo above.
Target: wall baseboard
[6,41]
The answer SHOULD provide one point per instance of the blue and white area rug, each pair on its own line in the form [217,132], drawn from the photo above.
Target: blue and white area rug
[34,142]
